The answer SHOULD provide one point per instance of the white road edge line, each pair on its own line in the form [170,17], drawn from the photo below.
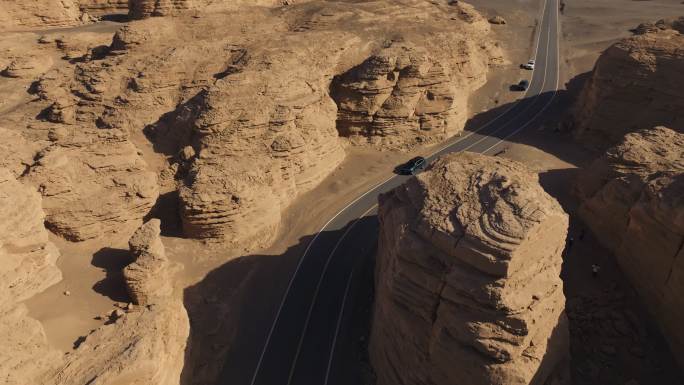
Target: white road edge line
[515,103]
[337,329]
[301,259]
[318,288]
[555,92]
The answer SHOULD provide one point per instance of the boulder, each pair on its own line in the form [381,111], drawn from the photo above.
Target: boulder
[467,277]
[497,20]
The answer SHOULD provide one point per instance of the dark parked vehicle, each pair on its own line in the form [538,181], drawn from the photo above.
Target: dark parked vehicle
[523,85]
[413,166]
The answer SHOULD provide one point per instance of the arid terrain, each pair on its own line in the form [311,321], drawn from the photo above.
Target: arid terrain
[168,164]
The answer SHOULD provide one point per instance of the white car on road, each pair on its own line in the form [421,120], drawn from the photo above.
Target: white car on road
[528,66]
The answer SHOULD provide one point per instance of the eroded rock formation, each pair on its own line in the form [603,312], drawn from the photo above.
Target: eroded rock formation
[28,258]
[27,267]
[633,200]
[139,9]
[147,277]
[99,7]
[93,182]
[38,13]
[146,344]
[416,94]
[467,277]
[256,111]
[635,84]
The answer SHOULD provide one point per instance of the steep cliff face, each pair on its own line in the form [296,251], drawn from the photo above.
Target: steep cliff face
[467,277]
[140,9]
[250,105]
[633,200]
[411,94]
[93,183]
[635,84]
[27,267]
[296,109]
[38,13]
[100,7]
[236,189]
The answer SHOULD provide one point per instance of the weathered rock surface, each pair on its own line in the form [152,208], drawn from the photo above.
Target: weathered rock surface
[28,258]
[139,9]
[255,110]
[38,13]
[18,153]
[147,277]
[497,20]
[27,268]
[416,93]
[633,200]
[99,7]
[467,277]
[635,84]
[145,344]
[93,182]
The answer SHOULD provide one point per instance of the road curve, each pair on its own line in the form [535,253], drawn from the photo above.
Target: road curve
[300,346]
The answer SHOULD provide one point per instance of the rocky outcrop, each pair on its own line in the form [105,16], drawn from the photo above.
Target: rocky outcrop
[100,7]
[140,9]
[635,84]
[145,344]
[633,200]
[93,182]
[38,13]
[416,94]
[147,278]
[28,258]
[27,268]
[18,153]
[235,190]
[467,277]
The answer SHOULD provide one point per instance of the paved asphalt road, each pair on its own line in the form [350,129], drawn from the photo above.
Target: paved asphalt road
[306,332]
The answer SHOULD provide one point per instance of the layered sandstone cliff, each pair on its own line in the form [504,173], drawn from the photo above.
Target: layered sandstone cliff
[100,7]
[139,9]
[416,94]
[38,13]
[256,108]
[633,200]
[27,267]
[467,277]
[635,84]
[235,190]
[93,183]
[146,344]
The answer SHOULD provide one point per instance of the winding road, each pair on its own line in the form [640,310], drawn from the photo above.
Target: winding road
[301,345]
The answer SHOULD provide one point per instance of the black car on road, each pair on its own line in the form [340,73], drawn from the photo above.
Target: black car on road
[413,166]
[523,85]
